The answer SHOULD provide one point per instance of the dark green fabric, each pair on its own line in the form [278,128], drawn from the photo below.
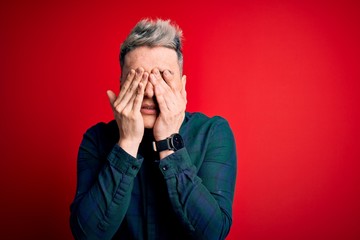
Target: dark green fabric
[187,195]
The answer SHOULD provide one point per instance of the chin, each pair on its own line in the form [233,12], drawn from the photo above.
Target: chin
[149,121]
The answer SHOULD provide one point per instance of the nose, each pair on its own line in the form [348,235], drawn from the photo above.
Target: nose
[149,90]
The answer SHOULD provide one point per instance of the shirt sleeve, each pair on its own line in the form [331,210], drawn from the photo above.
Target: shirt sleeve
[202,196]
[104,188]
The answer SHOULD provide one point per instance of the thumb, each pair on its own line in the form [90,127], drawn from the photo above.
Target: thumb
[112,97]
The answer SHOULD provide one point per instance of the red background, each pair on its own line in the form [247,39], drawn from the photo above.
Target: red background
[285,74]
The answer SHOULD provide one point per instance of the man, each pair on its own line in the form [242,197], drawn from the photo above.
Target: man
[156,171]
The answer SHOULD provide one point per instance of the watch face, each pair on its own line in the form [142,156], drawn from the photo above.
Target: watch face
[177,141]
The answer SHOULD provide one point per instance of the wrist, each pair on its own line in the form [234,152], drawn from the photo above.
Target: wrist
[165,153]
[162,137]
[169,145]
[131,147]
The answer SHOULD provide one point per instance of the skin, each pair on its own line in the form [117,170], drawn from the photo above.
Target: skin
[152,95]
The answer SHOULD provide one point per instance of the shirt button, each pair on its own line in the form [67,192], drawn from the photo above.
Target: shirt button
[134,167]
[164,168]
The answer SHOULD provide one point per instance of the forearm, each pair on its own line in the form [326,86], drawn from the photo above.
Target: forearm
[98,210]
[205,211]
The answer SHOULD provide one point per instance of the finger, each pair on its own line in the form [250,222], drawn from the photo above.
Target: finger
[131,90]
[129,106]
[130,83]
[124,86]
[159,81]
[128,102]
[140,93]
[169,78]
[149,89]
[138,76]
[126,83]
[112,97]
[166,91]
[159,93]
[167,83]
[169,99]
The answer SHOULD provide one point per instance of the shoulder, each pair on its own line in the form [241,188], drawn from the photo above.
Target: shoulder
[101,128]
[199,124]
[102,133]
[208,139]
[198,119]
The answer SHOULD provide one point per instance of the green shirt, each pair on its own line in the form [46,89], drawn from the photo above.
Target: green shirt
[187,195]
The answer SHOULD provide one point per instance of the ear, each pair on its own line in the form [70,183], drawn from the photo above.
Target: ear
[183,89]
[183,81]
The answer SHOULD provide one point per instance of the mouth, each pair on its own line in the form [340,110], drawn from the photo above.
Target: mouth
[149,109]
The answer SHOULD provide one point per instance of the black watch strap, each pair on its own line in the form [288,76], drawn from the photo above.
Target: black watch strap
[174,142]
[162,145]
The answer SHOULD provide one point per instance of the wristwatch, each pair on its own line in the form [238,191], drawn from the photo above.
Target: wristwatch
[174,142]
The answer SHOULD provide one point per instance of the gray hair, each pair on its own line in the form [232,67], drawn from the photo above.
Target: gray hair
[159,33]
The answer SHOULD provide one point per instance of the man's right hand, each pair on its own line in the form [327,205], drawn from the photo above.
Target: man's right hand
[126,108]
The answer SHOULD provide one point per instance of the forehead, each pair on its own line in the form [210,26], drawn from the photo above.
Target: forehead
[150,58]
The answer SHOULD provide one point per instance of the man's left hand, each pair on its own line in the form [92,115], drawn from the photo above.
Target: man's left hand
[170,94]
